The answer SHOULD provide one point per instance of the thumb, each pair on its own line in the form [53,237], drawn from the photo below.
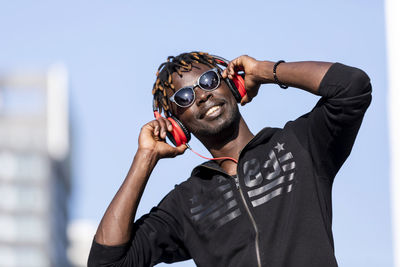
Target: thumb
[181,149]
[246,99]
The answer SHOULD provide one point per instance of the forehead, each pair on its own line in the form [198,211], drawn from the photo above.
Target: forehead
[189,78]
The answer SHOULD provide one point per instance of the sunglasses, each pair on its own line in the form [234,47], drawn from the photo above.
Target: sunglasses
[208,81]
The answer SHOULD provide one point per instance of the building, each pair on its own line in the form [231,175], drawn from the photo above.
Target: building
[80,235]
[34,168]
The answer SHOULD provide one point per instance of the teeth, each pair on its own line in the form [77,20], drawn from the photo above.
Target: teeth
[212,110]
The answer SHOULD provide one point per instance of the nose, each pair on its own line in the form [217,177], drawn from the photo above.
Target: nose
[202,96]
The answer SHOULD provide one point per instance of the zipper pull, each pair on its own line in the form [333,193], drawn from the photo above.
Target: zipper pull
[236,178]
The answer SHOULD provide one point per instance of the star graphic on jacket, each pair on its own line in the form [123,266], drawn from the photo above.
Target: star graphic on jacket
[194,199]
[279,147]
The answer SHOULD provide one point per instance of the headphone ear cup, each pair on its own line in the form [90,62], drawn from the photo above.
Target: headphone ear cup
[179,135]
[239,83]
[237,87]
[236,84]
[233,89]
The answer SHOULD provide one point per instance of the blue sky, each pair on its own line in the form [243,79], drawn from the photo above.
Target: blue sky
[112,51]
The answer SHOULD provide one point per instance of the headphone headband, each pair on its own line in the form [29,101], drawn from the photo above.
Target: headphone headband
[220,60]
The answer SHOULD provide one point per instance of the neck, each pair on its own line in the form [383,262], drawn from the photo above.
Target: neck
[229,145]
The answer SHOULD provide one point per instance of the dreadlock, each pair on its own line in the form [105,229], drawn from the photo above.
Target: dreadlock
[181,63]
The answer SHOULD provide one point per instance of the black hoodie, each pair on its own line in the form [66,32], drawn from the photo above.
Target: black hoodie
[278,210]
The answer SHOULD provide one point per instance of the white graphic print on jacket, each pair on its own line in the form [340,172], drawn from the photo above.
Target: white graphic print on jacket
[265,181]
[279,168]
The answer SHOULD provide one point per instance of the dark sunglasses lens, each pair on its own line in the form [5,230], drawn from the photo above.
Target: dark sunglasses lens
[209,80]
[184,97]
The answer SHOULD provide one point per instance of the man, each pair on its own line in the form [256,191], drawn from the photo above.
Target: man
[270,203]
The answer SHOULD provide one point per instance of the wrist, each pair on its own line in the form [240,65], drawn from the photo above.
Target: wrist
[147,155]
[265,71]
[276,80]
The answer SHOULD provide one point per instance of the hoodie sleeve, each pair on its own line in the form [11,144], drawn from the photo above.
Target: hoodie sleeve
[156,237]
[330,129]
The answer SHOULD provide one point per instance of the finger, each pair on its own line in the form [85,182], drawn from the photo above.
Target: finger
[235,66]
[246,99]
[238,64]
[152,126]
[163,127]
[156,128]
[230,69]
[224,74]
[169,125]
[232,66]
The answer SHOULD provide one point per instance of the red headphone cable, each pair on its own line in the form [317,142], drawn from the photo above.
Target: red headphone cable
[234,160]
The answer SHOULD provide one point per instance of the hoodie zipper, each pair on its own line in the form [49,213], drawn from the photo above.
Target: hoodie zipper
[251,218]
[236,180]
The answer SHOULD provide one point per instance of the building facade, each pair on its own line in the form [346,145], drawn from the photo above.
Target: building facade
[34,168]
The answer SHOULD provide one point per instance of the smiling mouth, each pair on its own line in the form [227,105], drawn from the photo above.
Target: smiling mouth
[213,110]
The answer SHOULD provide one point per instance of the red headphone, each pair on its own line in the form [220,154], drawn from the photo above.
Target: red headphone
[180,135]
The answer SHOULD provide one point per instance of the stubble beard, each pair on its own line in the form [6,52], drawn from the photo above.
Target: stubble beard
[225,129]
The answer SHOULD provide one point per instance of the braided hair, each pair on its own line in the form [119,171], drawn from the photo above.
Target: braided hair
[181,63]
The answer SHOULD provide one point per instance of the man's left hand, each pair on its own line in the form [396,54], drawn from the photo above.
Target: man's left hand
[252,79]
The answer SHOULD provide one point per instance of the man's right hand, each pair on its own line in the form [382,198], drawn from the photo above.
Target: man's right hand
[152,139]
[116,226]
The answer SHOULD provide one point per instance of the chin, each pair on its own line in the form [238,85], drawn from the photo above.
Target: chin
[222,126]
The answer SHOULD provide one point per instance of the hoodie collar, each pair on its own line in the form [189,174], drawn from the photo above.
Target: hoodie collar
[264,135]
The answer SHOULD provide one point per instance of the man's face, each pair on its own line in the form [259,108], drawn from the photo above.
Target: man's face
[212,111]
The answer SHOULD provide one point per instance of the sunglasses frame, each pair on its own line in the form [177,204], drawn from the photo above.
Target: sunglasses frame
[172,98]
